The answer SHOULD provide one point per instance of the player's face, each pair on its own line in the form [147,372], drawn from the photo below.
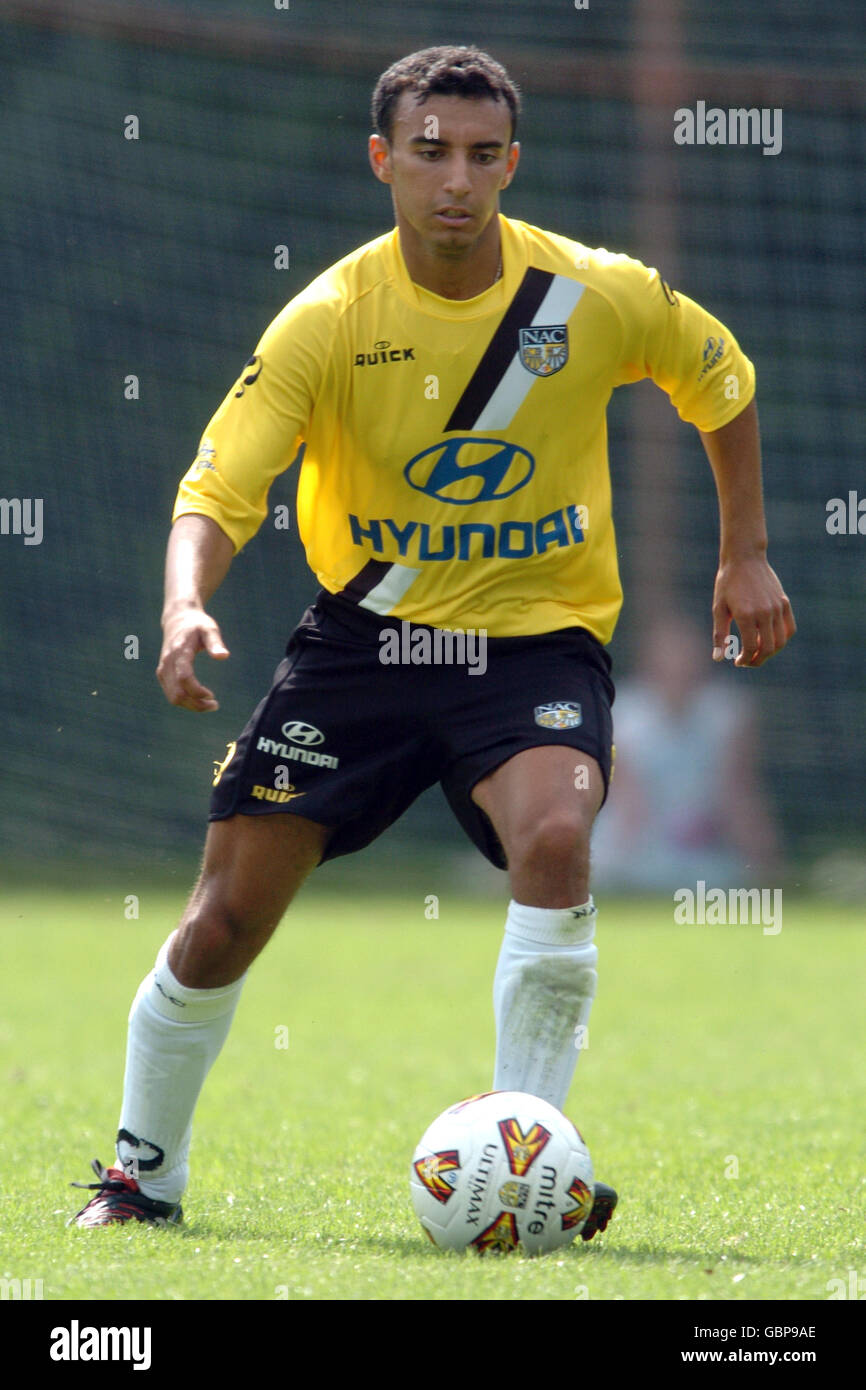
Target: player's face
[446,162]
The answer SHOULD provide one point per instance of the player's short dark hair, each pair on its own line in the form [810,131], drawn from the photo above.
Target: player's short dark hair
[450,70]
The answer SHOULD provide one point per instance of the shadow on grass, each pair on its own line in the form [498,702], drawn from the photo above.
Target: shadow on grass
[328,1241]
[666,1255]
[209,1228]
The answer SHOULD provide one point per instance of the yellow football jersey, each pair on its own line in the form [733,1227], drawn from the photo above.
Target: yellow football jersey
[454,469]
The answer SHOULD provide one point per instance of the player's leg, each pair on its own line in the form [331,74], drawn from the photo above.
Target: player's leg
[376,759]
[253,867]
[181,1015]
[542,803]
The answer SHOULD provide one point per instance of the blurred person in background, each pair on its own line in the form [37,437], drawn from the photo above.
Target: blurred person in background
[686,801]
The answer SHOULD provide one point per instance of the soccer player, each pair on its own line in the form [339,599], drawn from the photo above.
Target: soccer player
[448,381]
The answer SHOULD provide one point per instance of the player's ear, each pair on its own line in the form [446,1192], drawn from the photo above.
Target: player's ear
[511,165]
[380,158]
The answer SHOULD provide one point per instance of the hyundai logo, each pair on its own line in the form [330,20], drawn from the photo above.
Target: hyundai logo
[454,472]
[298,732]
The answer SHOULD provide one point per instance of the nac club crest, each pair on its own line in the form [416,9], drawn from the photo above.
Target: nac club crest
[558,714]
[543,349]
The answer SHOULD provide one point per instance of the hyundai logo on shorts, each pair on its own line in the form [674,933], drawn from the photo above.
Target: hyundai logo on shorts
[298,732]
[440,471]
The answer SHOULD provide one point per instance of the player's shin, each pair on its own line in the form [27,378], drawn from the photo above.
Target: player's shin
[175,1035]
[542,995]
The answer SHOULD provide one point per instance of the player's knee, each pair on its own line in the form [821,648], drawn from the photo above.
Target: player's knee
[215,946]
[557,841]
[220,923]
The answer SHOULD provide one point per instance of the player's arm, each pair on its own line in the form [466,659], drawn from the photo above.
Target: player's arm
[747,590]
[196,563]
[223,498]
[692,356]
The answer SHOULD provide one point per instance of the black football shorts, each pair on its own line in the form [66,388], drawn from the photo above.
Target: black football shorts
[362,717]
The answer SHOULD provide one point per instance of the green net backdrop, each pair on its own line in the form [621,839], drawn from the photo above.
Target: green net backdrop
[155,257]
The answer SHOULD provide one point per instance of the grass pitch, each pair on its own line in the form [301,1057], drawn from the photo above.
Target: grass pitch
[722,1094]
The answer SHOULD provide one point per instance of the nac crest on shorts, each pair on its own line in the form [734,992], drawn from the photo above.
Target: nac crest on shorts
[559,714]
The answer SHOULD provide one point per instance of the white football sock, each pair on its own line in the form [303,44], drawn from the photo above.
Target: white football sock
[542,995]
[175,1035]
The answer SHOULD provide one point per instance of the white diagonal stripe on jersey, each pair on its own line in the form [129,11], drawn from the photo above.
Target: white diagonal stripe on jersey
[557,306]
[390,589]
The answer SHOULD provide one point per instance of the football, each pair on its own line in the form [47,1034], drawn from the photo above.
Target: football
[501,1170]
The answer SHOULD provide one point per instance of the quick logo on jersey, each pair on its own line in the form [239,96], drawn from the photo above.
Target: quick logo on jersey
[544,349]
[383,352]
[440,472]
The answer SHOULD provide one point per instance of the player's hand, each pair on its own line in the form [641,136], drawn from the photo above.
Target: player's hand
[185,634]
[748,592]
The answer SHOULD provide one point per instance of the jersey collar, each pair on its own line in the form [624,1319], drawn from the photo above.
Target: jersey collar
[490,301]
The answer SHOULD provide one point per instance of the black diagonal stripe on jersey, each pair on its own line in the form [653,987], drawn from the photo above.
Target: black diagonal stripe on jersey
[501,349]
[366,579]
